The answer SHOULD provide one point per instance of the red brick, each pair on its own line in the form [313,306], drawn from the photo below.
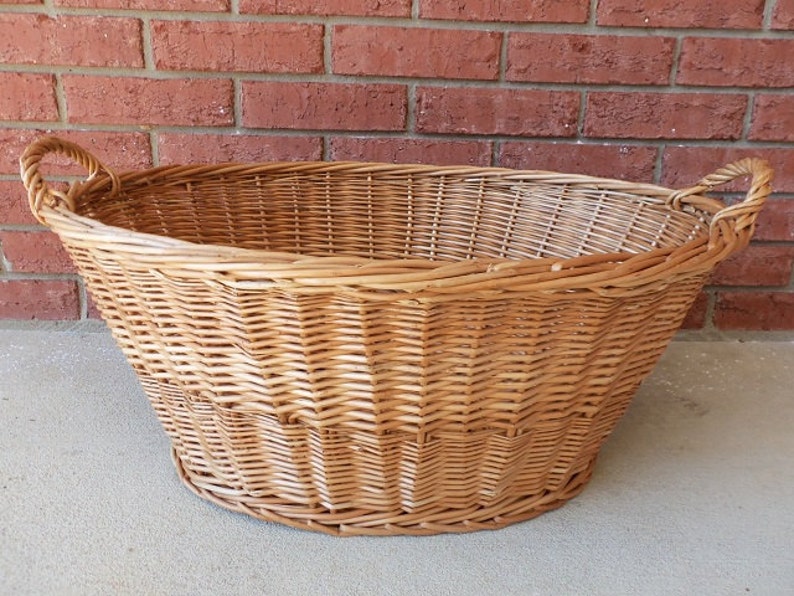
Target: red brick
[624,162]
[665,115]
[70,40]
[757,265]
[12,143]
[408,151]
[126,100]
[202,148]
[14,207]
[368,8]
[39,299]
[413,52]
[783,17]
[773,118]
[250,47]
[324,106]
[197,5]
[725,14]
[766,311]
[776,222]
[497,111]
[35,252]
[731,62]
[27,96]
[683,167]
[599,59]
[538,11]
[696,316]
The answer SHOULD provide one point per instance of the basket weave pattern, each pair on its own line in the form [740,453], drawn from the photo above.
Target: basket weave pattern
[384,349]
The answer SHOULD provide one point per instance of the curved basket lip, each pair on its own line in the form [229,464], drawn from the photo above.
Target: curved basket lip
[210,171]
[150,176]
[249,268]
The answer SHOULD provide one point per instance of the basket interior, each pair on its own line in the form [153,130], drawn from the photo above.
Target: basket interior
[396,216]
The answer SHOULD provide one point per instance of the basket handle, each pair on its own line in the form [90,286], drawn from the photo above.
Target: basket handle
[736,220]
[39,192]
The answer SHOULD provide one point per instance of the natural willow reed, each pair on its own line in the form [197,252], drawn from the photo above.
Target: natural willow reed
[389,349]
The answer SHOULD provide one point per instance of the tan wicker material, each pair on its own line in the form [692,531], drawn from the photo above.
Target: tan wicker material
[389,349]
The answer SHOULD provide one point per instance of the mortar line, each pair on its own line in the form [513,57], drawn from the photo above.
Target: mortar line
[769,10]
[750,289]
[410,115]
[46,9]
[325,154]
[154,147]
[580,118]
[697,143]
[658,165]
[591,16]
[496,153]
[82,293]
[31,227]
[677,47]
[5,264]
[328,44]
[60,100]
[32,276]
[411,20]
[149,63]
[748,116]
[292,77]
[503,57]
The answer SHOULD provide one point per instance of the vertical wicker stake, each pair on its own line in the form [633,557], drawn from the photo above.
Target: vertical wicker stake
[389,349]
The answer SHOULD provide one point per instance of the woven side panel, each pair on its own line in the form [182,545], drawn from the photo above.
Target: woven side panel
[341,406]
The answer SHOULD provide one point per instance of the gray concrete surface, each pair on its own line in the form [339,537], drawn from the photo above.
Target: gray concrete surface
[693,494]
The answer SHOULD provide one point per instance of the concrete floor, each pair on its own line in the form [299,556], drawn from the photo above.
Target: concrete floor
[693,494]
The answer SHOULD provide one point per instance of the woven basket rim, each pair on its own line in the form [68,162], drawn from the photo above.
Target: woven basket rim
[214,169]
[211,171]
[410,274]
[729,228]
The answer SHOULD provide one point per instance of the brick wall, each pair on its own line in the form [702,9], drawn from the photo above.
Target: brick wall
[657,90]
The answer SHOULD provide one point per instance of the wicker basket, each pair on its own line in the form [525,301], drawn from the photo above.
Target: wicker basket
[389,349]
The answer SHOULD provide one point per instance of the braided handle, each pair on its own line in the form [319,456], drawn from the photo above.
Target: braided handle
[39,192]
[735,221]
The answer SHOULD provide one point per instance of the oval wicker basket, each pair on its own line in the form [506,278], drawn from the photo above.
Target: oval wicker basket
[388,349]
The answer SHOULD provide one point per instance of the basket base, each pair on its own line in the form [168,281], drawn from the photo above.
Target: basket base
[382,523]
